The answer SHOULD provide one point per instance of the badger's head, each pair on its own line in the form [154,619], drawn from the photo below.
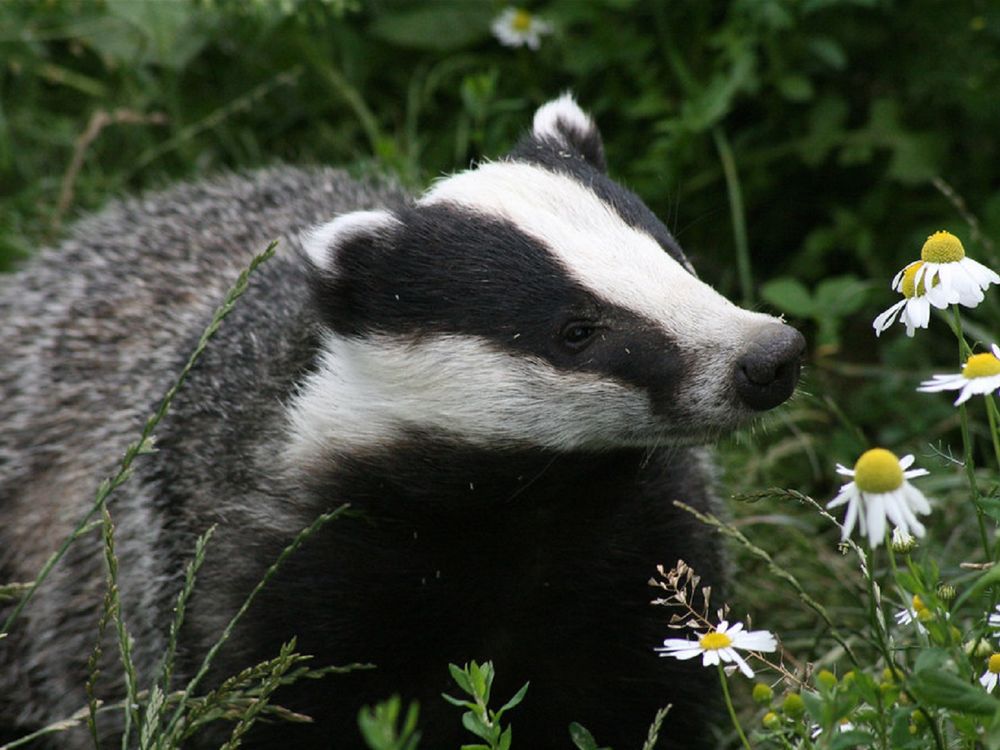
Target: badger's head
[529,302]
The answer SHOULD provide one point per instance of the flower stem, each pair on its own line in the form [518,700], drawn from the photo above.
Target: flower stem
[729,706]
[970,468]
[991,414]
[737,214]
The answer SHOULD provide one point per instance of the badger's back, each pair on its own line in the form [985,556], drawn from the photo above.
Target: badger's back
[92,334]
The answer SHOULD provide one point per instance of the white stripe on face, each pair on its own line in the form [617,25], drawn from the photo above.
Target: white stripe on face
[367,391]
[617,262]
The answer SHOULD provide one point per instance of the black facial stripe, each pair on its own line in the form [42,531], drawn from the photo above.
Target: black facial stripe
[449,269]
[548,154]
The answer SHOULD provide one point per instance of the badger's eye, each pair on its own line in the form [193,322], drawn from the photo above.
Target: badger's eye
[577,334]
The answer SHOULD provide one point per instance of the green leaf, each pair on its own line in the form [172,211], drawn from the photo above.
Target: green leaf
[518,697]
[461,677]
[709,105]
[476,725]
[930,659]
[936,687]
[505,739]
[851,738]
[458,701]
[814,705]
[839,296]
[829,51]
[438,26]
[789,295]
[583,739]
[795,87]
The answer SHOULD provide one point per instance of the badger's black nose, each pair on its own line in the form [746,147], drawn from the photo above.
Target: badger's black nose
[768,370]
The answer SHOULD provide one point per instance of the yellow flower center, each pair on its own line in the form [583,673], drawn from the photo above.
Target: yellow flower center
[942,247]
[715,641]
[878,471]
[994,664]
[911,289]
[981,366]
[918,604]
[521,21]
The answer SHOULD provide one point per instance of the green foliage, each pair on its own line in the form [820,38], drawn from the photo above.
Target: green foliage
[384,727]
[833,300]
[476,681]
[583,739]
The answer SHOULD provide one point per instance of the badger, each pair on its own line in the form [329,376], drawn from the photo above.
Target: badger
[509,379]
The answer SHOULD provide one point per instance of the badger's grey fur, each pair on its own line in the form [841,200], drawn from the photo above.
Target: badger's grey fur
[507,378]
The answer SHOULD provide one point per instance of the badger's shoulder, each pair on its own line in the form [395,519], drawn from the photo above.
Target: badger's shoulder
[94,329]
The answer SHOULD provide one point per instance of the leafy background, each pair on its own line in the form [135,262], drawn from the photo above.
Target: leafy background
[850,130]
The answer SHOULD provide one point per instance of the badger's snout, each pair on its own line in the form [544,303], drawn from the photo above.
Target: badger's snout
[766,373]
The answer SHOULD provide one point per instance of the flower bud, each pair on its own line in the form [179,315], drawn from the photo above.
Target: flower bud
[902,542]
[771,720]
[762,694]
[946,592]
[826,680]
[793,706]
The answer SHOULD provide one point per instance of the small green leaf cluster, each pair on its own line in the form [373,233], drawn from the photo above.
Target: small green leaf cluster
[476,681]
[385,727]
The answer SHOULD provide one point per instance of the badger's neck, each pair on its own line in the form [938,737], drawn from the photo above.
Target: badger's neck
[431,474]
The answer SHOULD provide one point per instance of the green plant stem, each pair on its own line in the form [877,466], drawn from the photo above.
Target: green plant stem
[143,444]
[736,213]
[992,416]
[970,468]
[206,663]
[729,707]
[878,626]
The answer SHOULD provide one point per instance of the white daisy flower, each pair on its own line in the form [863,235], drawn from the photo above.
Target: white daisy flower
[994,620]
[992,673]
[879,492]
[913,613]
[980,375]
[914,310]
[952,275]
[516,27]
[843,726]
[720,645]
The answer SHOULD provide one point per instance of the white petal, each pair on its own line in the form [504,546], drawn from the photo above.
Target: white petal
[942,383]
[906,461]
[876,518]
[845,495]
[919,310]
[851,517]
[916,499]
[756,640]
[741,662]
[885,319]
[965,395]
[679,643]
[988,680]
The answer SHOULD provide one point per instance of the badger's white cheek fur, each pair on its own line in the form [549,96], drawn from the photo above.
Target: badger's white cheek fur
[366,392]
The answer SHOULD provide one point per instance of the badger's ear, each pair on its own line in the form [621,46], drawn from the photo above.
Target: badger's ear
[561,120]
[329,245]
